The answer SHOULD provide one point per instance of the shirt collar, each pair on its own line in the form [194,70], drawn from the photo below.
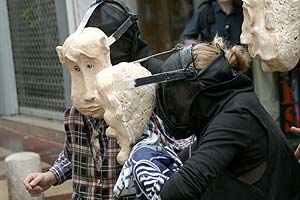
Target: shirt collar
[97,124]
[219,9]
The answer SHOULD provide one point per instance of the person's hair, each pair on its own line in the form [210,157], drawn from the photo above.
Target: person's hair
[204,53]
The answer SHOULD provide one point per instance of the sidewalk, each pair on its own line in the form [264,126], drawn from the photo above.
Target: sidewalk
[12,141]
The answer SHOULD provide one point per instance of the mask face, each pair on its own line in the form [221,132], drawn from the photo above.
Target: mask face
[126,112]
[83,76]
[86,54]
[271,31]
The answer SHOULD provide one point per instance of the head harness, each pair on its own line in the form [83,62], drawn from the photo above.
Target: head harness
[121,30]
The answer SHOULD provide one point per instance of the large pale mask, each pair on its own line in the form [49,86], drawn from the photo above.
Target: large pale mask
[127,112]
[271,29]
[86,54]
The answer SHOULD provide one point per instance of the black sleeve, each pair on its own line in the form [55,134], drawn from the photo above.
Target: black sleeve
[153,65]
[196,24]
[224,138]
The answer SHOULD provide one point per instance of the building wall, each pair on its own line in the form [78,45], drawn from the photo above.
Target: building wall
[8,94]
[132,5]
[75,12]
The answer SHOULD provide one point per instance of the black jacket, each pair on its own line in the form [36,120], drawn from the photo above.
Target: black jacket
[240,152]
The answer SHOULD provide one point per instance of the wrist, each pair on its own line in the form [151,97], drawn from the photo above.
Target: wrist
[51,177]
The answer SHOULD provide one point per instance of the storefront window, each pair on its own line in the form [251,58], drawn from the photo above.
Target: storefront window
[162,22]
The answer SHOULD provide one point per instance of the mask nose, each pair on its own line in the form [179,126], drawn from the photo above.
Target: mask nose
[89,98]
[89,88]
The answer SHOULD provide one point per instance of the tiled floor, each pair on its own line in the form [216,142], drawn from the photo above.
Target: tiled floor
[12,141]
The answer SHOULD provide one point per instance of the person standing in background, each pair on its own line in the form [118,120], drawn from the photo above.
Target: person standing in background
[221,17]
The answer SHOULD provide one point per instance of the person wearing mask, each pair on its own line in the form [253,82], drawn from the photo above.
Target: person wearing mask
[89,156]
[240,152]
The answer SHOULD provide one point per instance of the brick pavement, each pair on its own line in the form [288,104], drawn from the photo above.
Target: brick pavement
[12,141]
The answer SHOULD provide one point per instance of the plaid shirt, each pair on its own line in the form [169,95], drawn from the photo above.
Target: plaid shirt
[76,161]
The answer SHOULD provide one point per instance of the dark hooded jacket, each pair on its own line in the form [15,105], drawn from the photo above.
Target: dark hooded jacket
[240,151]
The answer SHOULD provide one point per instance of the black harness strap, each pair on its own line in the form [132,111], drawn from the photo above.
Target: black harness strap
[176,48]
[121,30]
[188,71]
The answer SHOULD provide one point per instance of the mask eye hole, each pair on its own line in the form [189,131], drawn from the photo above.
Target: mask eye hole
[89,66]
[76,68]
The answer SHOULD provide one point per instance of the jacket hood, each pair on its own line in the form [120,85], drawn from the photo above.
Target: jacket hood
[186,106]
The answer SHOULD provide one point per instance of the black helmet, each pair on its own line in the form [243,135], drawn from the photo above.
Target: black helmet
[109,16]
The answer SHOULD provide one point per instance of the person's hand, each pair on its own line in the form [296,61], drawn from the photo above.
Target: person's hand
[297,151]
[295,130]
[36,183]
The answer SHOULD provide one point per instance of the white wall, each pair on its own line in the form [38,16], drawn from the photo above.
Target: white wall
[75,12]
[132,5]
[8,91]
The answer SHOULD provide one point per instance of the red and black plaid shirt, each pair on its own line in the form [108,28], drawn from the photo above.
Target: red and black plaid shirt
[76,161]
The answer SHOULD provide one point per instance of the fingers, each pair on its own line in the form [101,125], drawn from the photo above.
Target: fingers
[32,184]
[36,181]
[295,130]
[297,152]
[36,191]
[27,181]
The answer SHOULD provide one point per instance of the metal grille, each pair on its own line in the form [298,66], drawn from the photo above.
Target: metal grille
[34,34]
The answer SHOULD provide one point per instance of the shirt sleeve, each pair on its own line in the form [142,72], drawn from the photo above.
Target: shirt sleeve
[62,167]
[196,24]
[224,138]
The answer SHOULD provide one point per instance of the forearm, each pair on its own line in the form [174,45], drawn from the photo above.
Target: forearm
[178,188]
[62,169]
[198,172]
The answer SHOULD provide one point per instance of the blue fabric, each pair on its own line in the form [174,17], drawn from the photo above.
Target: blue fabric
[153,167]
[150,164]
[146,171]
